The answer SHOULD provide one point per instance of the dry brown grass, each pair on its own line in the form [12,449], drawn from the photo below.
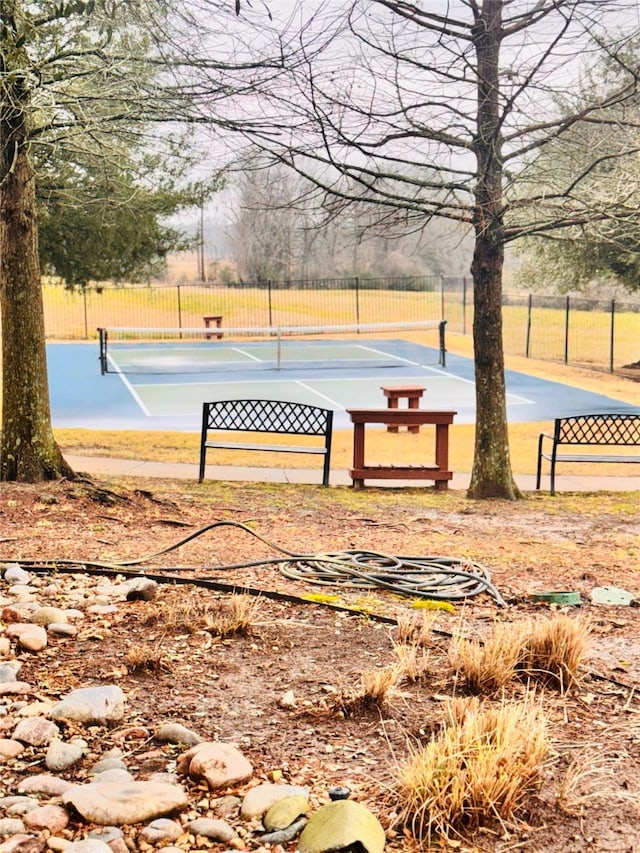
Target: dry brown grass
[549,652]
[485,667]
[189,615]
[416,629]
[554,650]
[414,661]
[482,769]
[231,616]
[146,659]
[377,687]
[589,777]
[236,616]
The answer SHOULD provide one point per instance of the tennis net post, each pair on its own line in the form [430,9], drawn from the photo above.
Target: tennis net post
[102,357]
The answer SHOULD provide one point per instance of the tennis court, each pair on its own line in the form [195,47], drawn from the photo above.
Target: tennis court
[161,385]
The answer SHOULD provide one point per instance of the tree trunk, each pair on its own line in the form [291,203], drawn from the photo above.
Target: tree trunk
[28,451]
[491,475]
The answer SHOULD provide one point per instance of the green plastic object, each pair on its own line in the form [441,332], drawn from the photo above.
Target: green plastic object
[561,598]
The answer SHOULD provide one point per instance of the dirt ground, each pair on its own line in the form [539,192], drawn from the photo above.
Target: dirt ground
[315,651]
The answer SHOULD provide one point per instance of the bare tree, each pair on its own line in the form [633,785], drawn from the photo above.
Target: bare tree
[424,111]
[264,226]
[277,231]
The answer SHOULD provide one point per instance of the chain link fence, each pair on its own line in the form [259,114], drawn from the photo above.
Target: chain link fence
[593,333]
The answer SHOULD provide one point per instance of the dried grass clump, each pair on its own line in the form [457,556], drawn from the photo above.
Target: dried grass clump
[414,662]
[145,658]
[416,630]
[479,770]
[485,667]
[549,652]
[590,776]
[236,616]
[554,650]
[377,688]
[189,614]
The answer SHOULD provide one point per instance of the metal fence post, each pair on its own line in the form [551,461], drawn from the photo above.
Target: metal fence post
[270,303]
[179,308]
[527,346]
[566,331]
[356,282]
[611,335]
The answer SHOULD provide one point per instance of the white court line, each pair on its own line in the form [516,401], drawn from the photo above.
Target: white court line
[130,388]
[248,354]
[390,357]
[318,394]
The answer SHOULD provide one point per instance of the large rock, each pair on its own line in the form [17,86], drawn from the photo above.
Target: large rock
[46,616]
[343,823]
[35,731]
[33,639]
[101,705]
[283,813]
[259,799]
[51,817]
[219,764]
[108,803]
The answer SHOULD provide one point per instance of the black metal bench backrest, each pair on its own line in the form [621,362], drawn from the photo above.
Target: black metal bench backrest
[268,416]
[618,429]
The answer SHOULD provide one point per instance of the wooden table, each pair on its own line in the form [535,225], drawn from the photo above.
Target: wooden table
[394,393]
[439,472]
[213,318]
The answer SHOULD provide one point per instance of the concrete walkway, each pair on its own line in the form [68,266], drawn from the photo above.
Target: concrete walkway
[105,465]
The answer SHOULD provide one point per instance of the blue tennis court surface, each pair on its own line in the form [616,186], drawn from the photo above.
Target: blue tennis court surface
[167,393]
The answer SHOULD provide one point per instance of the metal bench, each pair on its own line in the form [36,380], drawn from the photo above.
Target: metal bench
[606,430]
[266,416]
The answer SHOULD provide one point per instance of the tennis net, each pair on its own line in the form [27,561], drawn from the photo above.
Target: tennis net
[210,350]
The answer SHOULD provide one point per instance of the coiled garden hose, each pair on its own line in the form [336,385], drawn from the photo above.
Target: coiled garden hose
[432,578]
